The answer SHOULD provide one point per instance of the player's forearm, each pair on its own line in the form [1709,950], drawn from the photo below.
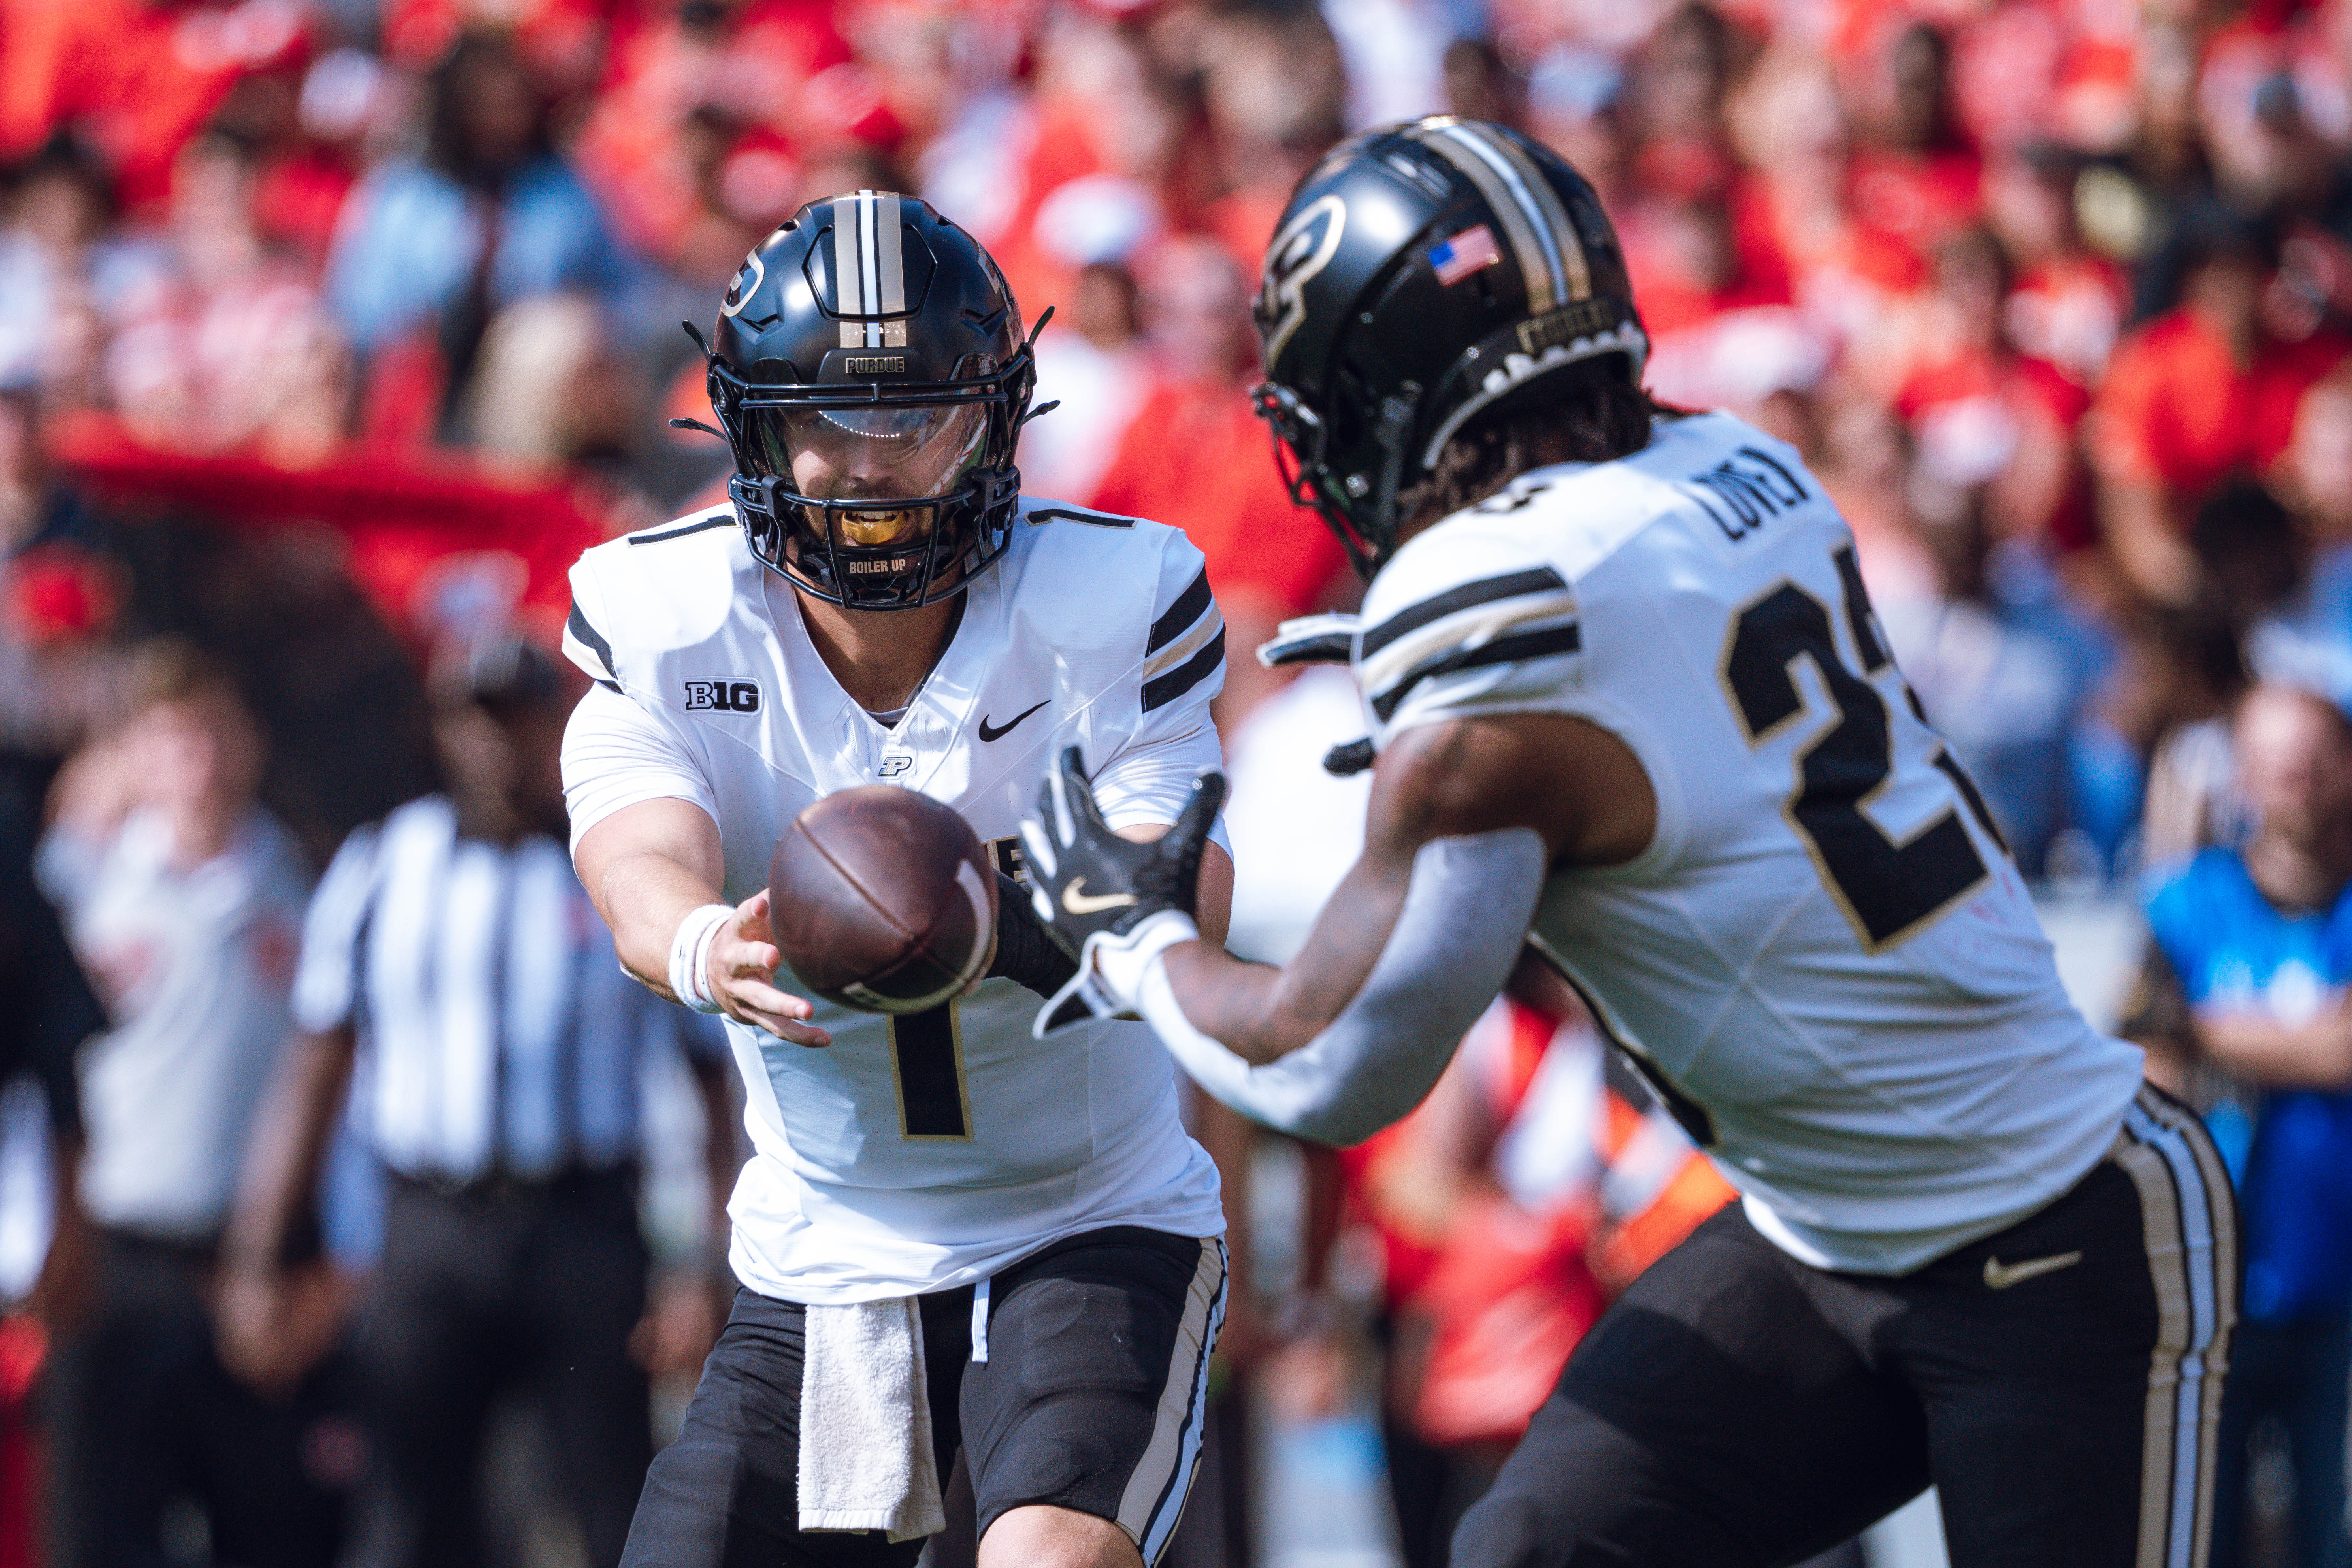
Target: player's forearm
[2317,1054]
[1381,1003]
[290,1148]
[643,896]
[1212,911]
[1418,939]
[647,867]
[1261,1013]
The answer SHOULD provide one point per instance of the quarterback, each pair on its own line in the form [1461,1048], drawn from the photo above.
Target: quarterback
[947,1234]
[1629,705]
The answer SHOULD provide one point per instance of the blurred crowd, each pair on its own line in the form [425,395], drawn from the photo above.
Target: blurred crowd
[330,331]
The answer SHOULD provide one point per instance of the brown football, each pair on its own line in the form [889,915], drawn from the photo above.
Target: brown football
[882,898]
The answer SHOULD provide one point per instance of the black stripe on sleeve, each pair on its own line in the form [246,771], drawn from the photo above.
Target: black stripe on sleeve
[716,520]
[1510,649]
[590,638]
[1091,518]
[1166,689]
[1178,616]
[1487,590]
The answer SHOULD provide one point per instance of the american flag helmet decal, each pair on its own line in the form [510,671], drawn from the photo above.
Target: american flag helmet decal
[1472,250]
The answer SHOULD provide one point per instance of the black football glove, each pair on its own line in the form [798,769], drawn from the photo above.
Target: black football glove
[1102,896]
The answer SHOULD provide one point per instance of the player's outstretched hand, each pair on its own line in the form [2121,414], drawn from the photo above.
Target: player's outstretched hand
[1108,898]
[743,977]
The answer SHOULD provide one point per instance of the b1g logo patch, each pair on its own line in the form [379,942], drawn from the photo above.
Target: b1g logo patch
[721,696]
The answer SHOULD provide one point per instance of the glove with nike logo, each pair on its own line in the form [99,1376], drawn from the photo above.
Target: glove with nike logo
[1113,904]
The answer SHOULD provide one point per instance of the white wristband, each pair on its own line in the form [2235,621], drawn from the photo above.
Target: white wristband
[689,955]
[1120,962]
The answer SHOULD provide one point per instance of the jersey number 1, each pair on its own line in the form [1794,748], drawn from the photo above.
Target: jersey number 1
[1887,888]
[927,1058]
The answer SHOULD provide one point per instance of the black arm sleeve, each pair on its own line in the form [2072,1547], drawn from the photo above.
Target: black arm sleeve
[1024,952]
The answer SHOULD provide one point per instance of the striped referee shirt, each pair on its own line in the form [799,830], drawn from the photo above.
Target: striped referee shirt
[498,1032]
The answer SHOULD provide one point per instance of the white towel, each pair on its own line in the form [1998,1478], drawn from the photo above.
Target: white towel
[865,1423]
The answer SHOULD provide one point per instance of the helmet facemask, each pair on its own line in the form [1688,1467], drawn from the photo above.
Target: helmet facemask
[875,498]
[1365,527]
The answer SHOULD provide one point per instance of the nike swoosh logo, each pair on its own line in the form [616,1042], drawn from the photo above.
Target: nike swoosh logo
[1079,903]
[989,732]
[1999,1276]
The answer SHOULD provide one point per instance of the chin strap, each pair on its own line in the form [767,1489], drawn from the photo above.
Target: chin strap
[700,343]
[1029,347]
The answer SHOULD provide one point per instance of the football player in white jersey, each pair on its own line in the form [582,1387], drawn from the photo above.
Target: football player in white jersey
[1629,704]
[946,1228]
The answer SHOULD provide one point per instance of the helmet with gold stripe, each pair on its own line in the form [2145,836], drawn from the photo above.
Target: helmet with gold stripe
[1425,278]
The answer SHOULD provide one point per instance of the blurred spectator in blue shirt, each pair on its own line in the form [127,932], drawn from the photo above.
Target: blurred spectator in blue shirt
[2257,942]
[489,214]
[2003,665]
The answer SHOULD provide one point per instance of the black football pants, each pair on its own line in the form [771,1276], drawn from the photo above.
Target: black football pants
[1091,1399]
[141,1416]
[1738,1408]
[481,1294]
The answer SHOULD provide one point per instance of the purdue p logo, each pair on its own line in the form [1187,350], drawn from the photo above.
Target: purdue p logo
[1297,255]
[722,695]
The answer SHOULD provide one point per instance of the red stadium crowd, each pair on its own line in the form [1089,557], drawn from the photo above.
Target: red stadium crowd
[330,330]
[2031,283]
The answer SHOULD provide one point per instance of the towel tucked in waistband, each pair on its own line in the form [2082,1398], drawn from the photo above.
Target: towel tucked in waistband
[866,1459]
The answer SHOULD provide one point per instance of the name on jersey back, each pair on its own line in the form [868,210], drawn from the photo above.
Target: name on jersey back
[1745,492]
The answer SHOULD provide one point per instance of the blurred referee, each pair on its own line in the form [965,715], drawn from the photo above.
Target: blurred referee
[451,957]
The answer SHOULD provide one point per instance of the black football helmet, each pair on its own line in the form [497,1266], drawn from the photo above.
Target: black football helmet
[869,371]
[1422,275]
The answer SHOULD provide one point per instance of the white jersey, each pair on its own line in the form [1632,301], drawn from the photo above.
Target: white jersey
[196,963]
[1825,956]
[870,1178]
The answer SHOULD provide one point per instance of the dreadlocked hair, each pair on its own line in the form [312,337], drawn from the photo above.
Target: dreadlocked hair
[1587,412]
